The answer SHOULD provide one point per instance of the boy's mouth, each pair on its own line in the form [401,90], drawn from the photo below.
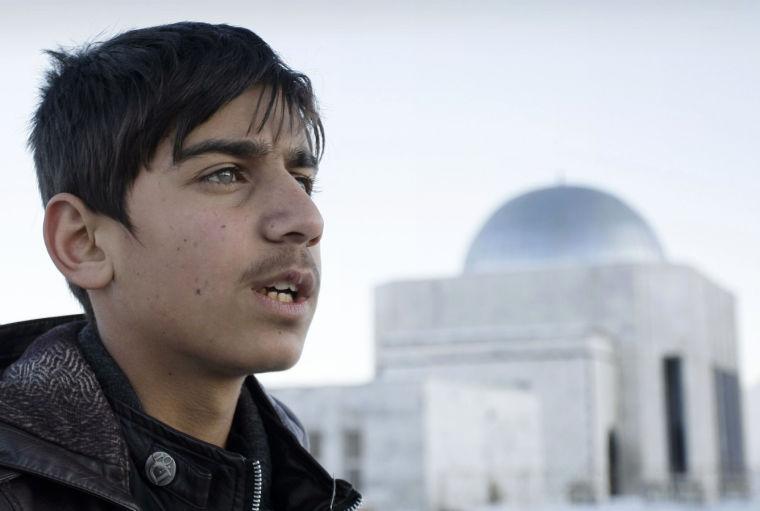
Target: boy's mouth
[291,286]
[285,292]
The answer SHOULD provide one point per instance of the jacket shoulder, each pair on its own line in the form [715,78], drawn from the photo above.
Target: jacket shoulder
[15,338]
[51,393]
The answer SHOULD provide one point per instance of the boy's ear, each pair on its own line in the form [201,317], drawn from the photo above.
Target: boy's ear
[70,229]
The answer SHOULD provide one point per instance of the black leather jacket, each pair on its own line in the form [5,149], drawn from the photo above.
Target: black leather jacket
[62,448]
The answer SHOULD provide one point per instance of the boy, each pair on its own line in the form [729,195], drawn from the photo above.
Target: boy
[176,164]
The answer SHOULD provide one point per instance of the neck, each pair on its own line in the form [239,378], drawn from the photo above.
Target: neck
[175,390]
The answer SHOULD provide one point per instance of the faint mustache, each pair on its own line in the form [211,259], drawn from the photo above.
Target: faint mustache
[279,263]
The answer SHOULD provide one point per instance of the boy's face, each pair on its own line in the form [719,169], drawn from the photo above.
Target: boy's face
[214,233]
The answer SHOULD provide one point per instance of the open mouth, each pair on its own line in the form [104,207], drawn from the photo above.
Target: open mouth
[285,292]
[293,286]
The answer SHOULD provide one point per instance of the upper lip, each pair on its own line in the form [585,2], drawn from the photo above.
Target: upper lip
[304,281]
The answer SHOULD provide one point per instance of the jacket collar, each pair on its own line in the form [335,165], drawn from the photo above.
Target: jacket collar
[56,422]
[202,475]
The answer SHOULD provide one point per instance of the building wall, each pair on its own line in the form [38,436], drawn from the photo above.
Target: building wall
[681,313]
[482,446]
[432,445]
[565,375]
[648,311]
[389,419]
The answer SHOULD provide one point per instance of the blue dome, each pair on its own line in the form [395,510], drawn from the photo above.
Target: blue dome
[562,225]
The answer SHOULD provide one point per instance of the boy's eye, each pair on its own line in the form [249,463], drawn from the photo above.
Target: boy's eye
[225,176]
[307,183]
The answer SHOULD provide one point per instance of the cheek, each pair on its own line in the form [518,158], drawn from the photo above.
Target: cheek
[183,259]
[205,250]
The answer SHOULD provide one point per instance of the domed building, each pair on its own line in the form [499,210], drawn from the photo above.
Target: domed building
[570,361]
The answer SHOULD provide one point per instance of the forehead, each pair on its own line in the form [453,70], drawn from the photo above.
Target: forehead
[254,114]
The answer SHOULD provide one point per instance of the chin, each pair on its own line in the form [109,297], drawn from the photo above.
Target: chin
[275,366]
[279,357]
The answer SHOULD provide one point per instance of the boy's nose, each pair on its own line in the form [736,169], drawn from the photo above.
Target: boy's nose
[292,217]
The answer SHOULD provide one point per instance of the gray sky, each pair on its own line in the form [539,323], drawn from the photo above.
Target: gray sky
[436,113]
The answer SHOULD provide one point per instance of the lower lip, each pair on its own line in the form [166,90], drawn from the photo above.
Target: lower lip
[287,310]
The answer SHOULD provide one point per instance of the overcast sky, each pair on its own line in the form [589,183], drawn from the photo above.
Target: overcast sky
[436,114]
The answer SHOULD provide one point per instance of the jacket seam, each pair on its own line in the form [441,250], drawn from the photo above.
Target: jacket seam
[81,487]
[7,475]
[123,471]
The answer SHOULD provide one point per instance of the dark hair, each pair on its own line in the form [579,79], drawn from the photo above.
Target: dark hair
[105,107]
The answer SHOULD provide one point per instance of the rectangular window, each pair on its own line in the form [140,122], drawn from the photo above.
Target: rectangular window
[675,416]
[352,444]
[353,450]
[730,431]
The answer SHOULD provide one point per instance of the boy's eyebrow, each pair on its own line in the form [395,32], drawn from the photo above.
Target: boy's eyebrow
[237,148]
[298,158]
[302,158]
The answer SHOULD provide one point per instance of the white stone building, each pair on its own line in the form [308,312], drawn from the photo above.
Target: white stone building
[570,361]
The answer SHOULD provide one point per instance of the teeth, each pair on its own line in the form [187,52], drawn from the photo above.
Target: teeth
[284,286]
[279,297]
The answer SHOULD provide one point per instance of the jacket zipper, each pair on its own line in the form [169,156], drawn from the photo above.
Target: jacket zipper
[257,486]
[356,505]
[258,482]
